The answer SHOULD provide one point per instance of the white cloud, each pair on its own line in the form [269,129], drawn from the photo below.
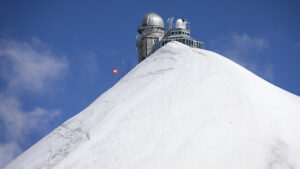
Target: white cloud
[8,152]
[17,122]
[24,66]
[240,48]
[29,65]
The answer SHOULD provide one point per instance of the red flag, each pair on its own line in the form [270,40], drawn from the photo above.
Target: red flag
[115,71]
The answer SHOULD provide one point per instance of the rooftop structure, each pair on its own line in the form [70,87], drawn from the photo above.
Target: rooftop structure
[152,35]
[151,32]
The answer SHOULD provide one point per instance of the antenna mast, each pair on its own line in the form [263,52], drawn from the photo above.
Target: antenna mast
[170,22]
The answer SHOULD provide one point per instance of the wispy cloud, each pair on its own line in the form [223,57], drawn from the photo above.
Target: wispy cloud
[240,48]
[8,151]
[268,72]
[28,66]
[24,66]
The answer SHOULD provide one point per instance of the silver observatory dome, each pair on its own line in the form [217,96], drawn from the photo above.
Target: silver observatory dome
[152,19]
[181,23]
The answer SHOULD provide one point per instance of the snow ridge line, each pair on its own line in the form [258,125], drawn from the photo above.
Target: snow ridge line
[158,72]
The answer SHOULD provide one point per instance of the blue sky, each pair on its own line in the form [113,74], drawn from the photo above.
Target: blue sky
[56,57]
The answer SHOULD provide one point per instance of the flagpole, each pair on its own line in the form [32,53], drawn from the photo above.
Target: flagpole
[115,71]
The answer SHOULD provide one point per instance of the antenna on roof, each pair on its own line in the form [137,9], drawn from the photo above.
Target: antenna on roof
[170,22]
[187,24]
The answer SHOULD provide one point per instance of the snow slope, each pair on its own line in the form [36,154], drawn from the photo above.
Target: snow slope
[181,108]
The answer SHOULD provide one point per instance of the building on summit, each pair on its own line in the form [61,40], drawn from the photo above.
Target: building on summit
[152,35]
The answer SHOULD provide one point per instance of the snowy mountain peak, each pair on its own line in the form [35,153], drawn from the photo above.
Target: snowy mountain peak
[180,108]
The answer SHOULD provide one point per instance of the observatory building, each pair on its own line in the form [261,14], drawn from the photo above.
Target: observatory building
[152,35]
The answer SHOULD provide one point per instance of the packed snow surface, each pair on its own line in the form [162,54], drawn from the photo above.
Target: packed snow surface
[181,108]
